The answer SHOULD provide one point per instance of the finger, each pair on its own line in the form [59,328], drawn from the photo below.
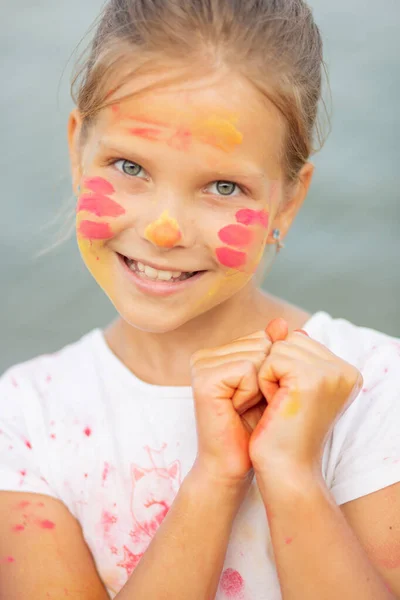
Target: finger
[242,405]
[277,329]
[301,331]
[273,370]
[257,341]
[257,357]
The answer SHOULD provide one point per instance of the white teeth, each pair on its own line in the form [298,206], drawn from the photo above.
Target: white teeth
[153,273]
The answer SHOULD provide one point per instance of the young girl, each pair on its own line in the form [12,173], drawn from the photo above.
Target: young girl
[214,441]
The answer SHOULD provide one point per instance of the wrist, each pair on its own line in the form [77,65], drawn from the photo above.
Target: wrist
[206,480]
[289,478]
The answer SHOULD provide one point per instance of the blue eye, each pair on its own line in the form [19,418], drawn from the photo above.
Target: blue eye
[129,167]
[226,188]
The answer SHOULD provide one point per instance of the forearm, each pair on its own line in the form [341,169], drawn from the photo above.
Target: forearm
[317,554]
[185,558]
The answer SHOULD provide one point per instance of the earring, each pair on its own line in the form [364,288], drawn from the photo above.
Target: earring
[276,235]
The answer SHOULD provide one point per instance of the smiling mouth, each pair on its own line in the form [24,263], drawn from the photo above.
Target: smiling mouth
[148,272]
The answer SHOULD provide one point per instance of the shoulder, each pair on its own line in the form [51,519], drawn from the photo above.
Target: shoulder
[361,346]
[46,376]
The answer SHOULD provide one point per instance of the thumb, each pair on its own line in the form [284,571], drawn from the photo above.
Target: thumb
[277,329]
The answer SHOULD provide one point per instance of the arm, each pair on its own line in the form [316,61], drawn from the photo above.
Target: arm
[186,556]
[317,553]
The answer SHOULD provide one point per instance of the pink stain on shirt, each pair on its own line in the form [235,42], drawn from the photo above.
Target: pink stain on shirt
[95,231]
[231,583]
[87,431]
[28,444]
[48,378]
[230,258]
[105,472]
[236,235]
[246,216]
[98,185]
[100,205]
[13,381]
[130,561]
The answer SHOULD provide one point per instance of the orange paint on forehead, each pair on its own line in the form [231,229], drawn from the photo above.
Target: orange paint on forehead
[219,132]
[164,231]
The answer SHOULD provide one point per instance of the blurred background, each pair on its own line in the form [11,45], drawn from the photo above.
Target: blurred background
[343,252]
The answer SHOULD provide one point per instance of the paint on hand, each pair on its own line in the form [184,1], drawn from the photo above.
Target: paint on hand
[219,132]
[100,205]
[164,232]
[236,235]
[291,406]
[246,216]
[98,185]
[95,231]
[231,258]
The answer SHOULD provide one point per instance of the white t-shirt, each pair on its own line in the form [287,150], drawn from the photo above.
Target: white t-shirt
[79,426]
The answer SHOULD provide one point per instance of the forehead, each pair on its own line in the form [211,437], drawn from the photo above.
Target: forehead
[225,107]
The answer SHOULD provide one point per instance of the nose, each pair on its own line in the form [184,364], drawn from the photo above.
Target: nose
[164,232]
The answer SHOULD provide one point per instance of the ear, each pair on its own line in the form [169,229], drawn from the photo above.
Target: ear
[292,204]
[75,151]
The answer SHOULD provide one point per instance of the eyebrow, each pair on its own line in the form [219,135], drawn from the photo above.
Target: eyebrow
[251,175]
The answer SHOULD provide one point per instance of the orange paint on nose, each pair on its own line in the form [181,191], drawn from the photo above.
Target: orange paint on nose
[164,232]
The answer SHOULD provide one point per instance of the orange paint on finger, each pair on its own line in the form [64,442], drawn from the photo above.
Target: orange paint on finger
[164,232]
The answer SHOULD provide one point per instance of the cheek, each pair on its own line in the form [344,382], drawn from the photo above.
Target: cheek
[248,235]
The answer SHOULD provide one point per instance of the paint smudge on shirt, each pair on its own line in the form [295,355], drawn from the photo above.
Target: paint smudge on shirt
[231,584]
[87,431]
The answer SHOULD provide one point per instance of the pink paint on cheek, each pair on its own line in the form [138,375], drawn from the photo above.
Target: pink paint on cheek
[230,258]
[100,205]
[148,133]
[231,583]
[95,231]
[98,185]
[246,216]
[236,235]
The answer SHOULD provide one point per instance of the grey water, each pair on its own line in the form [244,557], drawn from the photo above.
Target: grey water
[342,254]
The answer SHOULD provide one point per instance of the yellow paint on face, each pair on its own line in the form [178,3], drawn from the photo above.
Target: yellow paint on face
[97,258]
[219,132]
[164,232]
[292,406]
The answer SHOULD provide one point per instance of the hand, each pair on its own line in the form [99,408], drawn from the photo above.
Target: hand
[228,404]
[307,388]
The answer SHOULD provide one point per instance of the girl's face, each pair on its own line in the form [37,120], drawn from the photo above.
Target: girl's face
[186,178]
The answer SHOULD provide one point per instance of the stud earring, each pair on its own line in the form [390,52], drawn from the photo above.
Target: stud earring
[276,234]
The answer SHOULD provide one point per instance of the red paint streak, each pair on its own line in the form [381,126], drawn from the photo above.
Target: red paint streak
[95,231]
[23,473]
[18,528]
[105,472]
[236,235]
[288,540]
[231,583]
[87,431]
[146,120]
[46,524]
[148,133]
[100,205]
[107,519]
[98,185]
[27,443]
[181,140]
[246,216]
[230,258]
